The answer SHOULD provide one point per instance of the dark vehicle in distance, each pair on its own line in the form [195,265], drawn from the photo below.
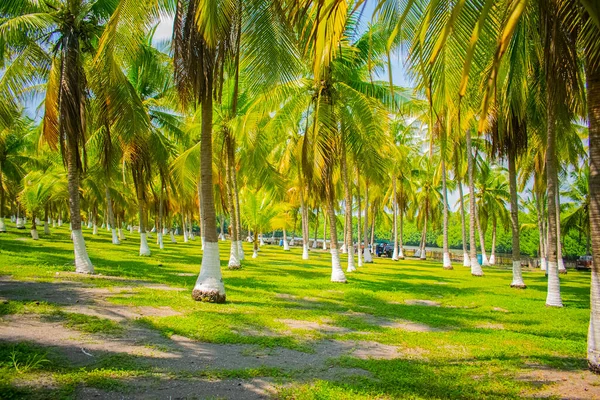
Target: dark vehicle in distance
[384,249]
[584,263]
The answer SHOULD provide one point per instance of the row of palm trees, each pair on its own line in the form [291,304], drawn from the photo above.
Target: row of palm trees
[283,97]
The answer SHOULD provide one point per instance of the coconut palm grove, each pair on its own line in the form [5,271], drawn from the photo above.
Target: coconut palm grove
[299,199]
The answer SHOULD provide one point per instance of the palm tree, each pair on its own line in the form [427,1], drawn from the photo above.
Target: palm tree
[64,126]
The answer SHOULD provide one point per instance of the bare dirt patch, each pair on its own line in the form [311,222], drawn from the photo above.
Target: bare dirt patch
[402,324]
[312,326]
[561,384]
[428,303]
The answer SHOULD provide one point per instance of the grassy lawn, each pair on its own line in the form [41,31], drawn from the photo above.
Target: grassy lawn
[438,334]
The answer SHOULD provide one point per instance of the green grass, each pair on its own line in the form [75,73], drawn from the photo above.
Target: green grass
[464,359]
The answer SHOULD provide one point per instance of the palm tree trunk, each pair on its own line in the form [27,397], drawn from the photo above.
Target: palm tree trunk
[358,238]
[95,217]
[316,229]
[237,202]
[593,101]
[144,249]
[517,281]
[560,262]
[209,285]
[447,264]
[475,267]
[366,252]
[423,247]
[553,298]
[234,259]
[337,274]
[159,229]
[46,226]
[286,245]
[484,259]
[325,232]
[111,216]
[401,230]
[304,214]
[34,232]
[348,209]
[394,219]
[493,253]
[255,243]
[2,200]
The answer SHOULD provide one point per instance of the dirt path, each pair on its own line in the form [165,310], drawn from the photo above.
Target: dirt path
[181,367]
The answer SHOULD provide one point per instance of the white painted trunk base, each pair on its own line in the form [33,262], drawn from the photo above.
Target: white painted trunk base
[261,242]
[46,228]
[234,260]
[20,223]
[484,260]
[343,249]
[395,254]
[254,254]
[209,285]
[475,267]
[185,236]
[561,266]
[172,237]
[221,237]
[400,254]
[83,265]
[144,249]
[337,274]
[553,298]
[89,224]
[2,225]
[241,254]
[324,245]
[314,245]
[493,259]
[351,267]
[305,252]
[115,238]
[286,246]
[103,225]
[161,245]
[59,222]
[54,223]
[367,255]
[418,253]
[593,344]
[517,281]
[121,234]
[466,261]
[34,234]
[543,264]
[446,261]
[95,231]
[108,228]
[130,229]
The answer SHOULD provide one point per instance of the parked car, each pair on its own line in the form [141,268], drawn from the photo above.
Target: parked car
[584,263]
[384,249]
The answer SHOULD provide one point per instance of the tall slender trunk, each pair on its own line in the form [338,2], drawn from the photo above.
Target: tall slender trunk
[401,227]
[423,247]
[475,267]
[325,231]
[359,237]
[304,219]
[553,298]
[493,253]
[447,264]
[209,285]
[237,203]
[373,228]
[159,229]
[337,274]
[234,259]
[366,252]
[46,227]
[111,216]
[2,200]
[144,249]
[593,101]
[394,219]
[286,245]
[484,259]
[316,229]
[540,222]
[517,281]
[348,208]
[560,262]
